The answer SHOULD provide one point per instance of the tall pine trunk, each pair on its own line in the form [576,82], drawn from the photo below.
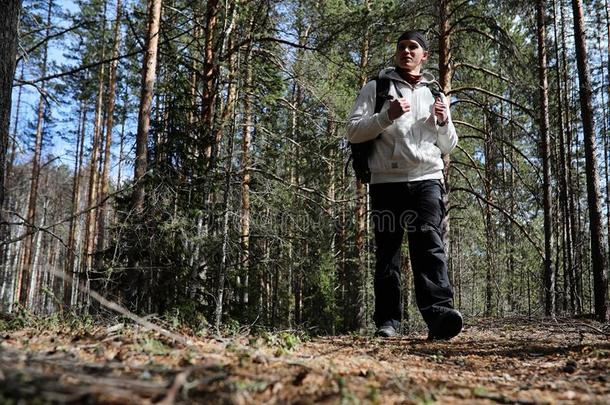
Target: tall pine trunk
[357,307]
[94,160]
[598,251]
[606,135]
[222,269]
[74,219]
[245,183]
[445,70]
[210,70]
[146,94]
[491,278]
[545,151]
[568,248]
[575,271]
[8,52]
[26,259]
[110,103]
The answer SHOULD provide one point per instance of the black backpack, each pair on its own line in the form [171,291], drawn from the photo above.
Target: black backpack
[361,151]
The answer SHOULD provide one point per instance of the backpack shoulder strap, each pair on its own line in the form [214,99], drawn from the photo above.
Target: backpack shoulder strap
[435,89]
[383,89]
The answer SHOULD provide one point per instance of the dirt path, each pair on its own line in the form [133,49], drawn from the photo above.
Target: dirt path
[510,362]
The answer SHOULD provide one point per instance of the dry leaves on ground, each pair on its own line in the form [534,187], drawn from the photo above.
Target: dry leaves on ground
[508,362]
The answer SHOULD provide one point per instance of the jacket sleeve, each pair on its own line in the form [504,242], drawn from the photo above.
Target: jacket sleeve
[363,124]
[447,136]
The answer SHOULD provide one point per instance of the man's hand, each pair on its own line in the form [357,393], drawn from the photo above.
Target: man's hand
[440,110]
[398,107]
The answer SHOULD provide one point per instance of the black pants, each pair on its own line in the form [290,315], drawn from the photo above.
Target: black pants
[417,208]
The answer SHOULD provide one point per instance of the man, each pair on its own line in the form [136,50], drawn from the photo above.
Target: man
[412,131]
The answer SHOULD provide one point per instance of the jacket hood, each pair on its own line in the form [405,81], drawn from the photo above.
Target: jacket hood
[391,73]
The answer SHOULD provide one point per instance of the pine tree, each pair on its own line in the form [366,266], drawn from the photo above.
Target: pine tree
[598,252]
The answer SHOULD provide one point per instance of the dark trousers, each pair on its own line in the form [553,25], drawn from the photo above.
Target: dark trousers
[417,208]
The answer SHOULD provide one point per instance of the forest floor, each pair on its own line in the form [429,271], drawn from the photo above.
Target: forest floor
[511,361]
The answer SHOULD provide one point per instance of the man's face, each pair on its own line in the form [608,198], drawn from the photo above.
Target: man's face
[410,55]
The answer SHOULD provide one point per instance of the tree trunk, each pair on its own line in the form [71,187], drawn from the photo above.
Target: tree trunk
[26,261]
[9,19]
[38,271]
[574,271]
[76,180]
[245,182]
[6,259]
[568,247]
[510,232]
[545,150]
[110,103]
[490,274]
[331,195]
[598,251]
[357,305]
[606,136]
[445,73]
[222,270]
[125,101]
[210,70]
[146,94]
[93,191]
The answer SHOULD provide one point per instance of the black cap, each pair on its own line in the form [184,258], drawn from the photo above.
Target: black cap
[416,36]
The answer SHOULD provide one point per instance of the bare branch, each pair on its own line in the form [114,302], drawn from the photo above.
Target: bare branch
[453,166]
[489,93]
[48,38]
[535,244]
[504,141]
[455,8]
[94,64]
[458,65]
[283,41]
[122,310]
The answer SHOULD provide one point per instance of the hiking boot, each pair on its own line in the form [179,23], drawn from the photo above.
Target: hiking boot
[386,330]
[446,324]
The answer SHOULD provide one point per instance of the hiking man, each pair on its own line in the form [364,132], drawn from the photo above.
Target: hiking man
[410,132]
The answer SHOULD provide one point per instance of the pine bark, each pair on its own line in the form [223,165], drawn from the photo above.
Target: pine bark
[445,69]
[229,112]
[9,19]
[76,184]
[567,249]
[146,95]
[356,292]
[210,71]
[606,135]
[545,151]
[598,251]
[245,184]
[490,273]
[13,143]
[26,261]
[110,104]
[93,190]
[125,101]
[575,271]
[222,270]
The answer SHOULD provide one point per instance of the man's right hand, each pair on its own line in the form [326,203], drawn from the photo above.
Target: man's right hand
[398,107]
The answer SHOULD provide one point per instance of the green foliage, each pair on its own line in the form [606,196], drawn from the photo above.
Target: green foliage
[284,340]
[153,346]
[23,318]
[322,298]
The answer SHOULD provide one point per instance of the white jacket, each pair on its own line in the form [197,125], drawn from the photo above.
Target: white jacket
[410,147]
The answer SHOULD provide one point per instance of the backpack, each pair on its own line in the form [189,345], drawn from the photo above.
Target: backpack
[360,152]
